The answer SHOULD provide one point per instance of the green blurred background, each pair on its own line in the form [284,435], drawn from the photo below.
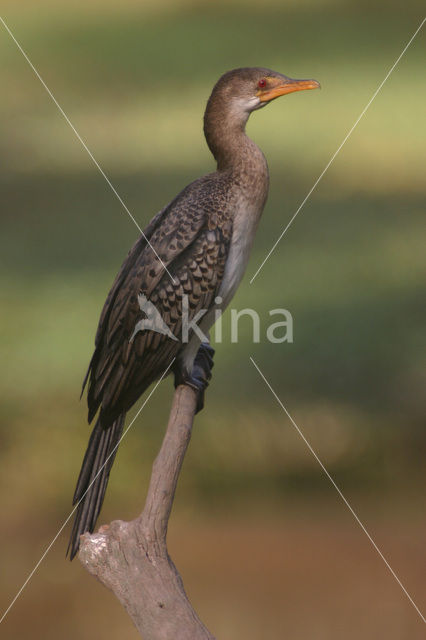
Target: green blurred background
[264,544]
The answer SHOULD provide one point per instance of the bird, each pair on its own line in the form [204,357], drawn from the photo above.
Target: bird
[194,251]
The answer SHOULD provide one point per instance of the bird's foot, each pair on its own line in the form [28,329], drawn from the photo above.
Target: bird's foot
[201,373]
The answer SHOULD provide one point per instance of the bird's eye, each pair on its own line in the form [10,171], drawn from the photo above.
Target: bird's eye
[262,83]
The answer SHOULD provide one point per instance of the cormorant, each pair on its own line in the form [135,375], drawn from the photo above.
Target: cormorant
[195,249]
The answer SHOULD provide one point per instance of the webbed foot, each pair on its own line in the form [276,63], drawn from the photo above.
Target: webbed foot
[201,373]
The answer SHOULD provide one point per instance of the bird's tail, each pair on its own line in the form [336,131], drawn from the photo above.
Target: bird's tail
[93,479]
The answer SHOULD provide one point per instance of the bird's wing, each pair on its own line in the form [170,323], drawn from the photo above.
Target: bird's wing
[194,249]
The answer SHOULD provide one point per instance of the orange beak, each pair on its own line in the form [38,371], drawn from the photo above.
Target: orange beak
[282,88]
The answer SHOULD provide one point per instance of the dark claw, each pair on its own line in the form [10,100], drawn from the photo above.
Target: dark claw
[201,373]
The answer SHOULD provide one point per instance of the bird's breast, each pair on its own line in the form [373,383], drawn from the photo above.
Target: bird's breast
[246,218]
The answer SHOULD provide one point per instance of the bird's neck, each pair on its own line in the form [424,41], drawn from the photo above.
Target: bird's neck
[227,140]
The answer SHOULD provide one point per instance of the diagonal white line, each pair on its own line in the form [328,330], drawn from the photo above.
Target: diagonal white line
[338,490]
[329,163]
[75,507]
[96,163]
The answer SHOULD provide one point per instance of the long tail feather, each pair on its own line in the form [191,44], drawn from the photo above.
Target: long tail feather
[93,479]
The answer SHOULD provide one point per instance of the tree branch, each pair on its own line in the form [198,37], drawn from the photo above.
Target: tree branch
[131,558]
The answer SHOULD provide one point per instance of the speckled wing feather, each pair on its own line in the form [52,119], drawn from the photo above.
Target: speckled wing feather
[192,240]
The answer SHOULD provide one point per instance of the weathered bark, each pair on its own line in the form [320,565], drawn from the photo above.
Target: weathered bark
[131,558]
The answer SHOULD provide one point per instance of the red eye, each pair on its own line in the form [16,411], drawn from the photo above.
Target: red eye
[262,83]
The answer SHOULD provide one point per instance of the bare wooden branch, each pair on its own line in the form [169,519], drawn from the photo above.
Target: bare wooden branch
[131,558]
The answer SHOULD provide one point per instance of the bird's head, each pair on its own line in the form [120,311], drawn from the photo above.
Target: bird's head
[245,90]
[236,94]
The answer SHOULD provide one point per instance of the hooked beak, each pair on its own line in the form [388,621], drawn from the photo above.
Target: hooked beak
[281,88]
